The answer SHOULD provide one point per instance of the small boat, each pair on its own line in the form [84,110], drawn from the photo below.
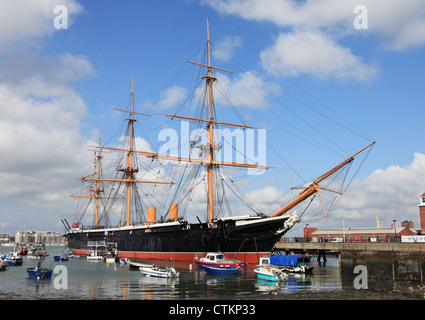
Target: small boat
[137,265]
[37,252]
[214,262]
[13,259]
[270,273]
[125,261]
[299,263]
[60,258]
[223,269]
[109,259]
[4,265]
[94,255]
[155,271]
[39,272]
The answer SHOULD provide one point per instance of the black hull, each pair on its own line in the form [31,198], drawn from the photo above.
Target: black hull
[183,241]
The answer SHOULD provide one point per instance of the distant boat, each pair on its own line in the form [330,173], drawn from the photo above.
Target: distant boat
[155,271]
[214,262]
[137,265]
[4,266]
[96,250]
[13,259]
[39,272]
[60,258]
[37,252]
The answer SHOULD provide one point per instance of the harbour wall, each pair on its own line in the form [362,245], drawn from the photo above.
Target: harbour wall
[383,261]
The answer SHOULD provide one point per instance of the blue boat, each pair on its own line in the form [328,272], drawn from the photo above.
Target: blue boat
[215,262]
[39,272]
[289,263]
[222,269]
[59,258]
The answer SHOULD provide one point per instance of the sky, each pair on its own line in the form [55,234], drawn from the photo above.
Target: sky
[355,70]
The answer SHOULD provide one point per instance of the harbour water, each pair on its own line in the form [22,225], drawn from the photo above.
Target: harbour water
[99,280]
[82,279]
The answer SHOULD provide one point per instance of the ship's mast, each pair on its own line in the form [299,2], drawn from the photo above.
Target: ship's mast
[314,187]
[209,79]
[211,162]
[96,193]
[129,171]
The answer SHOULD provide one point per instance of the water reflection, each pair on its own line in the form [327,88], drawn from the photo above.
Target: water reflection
[98,280]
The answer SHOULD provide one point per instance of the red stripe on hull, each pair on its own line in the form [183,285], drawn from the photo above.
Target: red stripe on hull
[248,257]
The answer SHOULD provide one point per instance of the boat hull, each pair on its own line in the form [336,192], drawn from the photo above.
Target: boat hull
[221,270]
[39,273]
[181,241]
[269,274]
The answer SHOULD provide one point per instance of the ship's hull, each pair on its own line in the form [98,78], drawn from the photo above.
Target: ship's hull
[244,239]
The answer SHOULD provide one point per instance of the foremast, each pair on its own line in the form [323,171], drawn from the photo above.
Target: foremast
[129,172]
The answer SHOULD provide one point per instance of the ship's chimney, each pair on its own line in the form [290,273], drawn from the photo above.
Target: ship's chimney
[151,215]
[173,212]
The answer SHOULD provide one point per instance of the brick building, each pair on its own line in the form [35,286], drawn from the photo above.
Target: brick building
[358,234]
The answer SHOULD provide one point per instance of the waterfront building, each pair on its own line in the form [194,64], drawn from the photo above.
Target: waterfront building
[42,237]
[358,234]
[4,238]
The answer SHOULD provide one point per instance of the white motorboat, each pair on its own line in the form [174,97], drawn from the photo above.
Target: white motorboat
[155,271]
[270,273]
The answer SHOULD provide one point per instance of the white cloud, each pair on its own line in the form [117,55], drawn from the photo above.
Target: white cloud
[314,53]
[22,22]
[246,89]
[42,147]
[225,48]
[171,97]
[391,193]
[316,29]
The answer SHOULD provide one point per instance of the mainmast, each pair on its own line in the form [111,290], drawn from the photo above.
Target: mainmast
[209,79]
[211,162]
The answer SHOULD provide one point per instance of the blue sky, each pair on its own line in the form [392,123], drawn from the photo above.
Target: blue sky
[57,88]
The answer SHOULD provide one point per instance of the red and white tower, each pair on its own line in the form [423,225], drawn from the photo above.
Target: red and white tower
[422,211]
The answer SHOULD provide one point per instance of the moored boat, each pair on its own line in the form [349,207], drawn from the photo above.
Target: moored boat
[13,259]
[39,272]
[270,273]
[299,263]
[223,269]
[3,265]
[137,265]
[155,271]
[60,258]
[215,262]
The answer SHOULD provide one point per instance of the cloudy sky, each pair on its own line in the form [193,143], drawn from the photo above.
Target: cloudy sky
[62,69]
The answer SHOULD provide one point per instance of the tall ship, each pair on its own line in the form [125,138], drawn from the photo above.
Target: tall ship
[160,190]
